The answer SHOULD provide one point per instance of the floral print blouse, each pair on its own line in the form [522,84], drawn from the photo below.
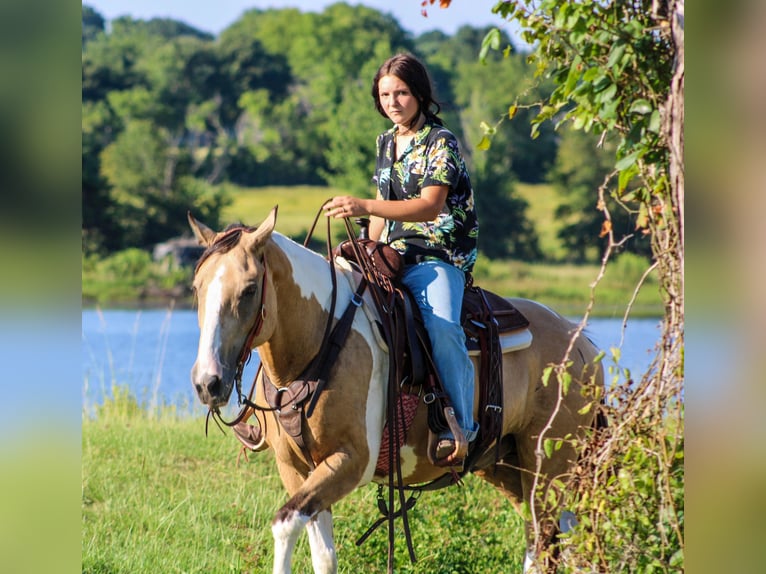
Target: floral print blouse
[432,158]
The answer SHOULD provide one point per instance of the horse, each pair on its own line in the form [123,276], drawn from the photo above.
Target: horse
[262,291]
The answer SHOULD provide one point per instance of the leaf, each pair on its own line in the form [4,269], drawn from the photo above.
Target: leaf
[566,381]
[654,122]
[592,73]
[585,410]
[618,51]
[487,129]
[641,106]
[627,161]
[548,447]
[491,40]
[484,143]
[547,375]
[626,176]
[512,111]
[574,75]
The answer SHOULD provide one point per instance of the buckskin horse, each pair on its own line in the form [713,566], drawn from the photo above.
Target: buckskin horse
[258,289]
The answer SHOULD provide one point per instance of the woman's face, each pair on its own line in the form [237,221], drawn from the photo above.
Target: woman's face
[396,99]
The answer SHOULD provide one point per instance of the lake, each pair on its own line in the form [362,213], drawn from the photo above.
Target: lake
[151,352]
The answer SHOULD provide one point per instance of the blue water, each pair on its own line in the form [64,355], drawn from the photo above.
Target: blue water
[152,352]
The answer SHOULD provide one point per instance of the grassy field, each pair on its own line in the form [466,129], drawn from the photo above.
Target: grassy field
[158,496]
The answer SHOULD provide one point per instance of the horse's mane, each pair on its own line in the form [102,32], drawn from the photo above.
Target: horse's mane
[225,243]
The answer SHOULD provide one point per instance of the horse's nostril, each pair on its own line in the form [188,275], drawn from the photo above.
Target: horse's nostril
[213,384]
[198,387]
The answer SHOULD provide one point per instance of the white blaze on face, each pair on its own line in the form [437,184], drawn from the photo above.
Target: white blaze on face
[208,361]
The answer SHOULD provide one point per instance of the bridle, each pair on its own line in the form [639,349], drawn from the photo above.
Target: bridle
[225,242]
[247,349]
[245,401]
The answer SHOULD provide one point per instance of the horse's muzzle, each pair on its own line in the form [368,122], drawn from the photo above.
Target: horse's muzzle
[211,390]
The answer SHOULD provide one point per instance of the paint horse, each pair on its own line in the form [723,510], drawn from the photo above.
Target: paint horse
[263,291]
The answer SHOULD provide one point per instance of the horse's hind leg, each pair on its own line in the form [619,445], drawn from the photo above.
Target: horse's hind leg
[508,477]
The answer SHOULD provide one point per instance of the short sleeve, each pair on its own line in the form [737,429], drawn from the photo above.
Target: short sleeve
[442,161]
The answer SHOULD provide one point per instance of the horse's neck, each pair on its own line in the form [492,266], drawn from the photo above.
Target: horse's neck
[302,287]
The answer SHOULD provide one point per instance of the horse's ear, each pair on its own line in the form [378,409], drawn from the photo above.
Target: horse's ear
[202,232]
[260,235]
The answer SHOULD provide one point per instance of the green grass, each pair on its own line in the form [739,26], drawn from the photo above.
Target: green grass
[297,206]
[158,496]
[567,287]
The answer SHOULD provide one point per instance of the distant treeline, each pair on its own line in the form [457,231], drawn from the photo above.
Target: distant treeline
[172,116]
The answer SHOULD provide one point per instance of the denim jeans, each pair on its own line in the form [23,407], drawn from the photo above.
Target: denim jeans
[438,290]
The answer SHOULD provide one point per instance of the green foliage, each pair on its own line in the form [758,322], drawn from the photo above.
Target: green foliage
[131,275]
[633,519]
[281,97]
[617,70]
[611,66]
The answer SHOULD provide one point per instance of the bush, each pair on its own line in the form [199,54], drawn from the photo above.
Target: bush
[132,275]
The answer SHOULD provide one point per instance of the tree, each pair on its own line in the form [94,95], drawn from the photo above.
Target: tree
[618,69]
[582,165]
[93,24]
[142,84]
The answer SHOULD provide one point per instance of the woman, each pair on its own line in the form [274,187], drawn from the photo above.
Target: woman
[425,210]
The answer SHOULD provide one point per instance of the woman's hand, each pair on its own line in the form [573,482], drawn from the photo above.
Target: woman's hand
[345,206]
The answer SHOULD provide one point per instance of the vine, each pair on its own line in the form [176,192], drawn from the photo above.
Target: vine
[618,68]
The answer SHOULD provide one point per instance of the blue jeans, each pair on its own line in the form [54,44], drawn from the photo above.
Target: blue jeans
[438,290]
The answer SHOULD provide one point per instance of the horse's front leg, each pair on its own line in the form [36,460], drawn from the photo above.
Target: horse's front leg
[322,543]
[320,540]
[335,477]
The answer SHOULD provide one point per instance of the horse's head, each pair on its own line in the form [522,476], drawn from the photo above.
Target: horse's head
[231,286]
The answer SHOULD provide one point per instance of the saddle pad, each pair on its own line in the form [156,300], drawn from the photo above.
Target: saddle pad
[409,404]
[511,341]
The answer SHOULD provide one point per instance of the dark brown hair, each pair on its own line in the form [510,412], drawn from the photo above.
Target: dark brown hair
[412,72]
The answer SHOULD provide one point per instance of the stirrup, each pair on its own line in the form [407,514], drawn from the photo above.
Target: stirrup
[250,436]
[456,458]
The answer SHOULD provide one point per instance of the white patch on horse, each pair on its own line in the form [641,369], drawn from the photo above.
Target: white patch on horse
[376,394]
[307,275]
[409,460]
[323,555]
[286,534]
[210,338]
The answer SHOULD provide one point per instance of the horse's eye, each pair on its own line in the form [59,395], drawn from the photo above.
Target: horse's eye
[250,290]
